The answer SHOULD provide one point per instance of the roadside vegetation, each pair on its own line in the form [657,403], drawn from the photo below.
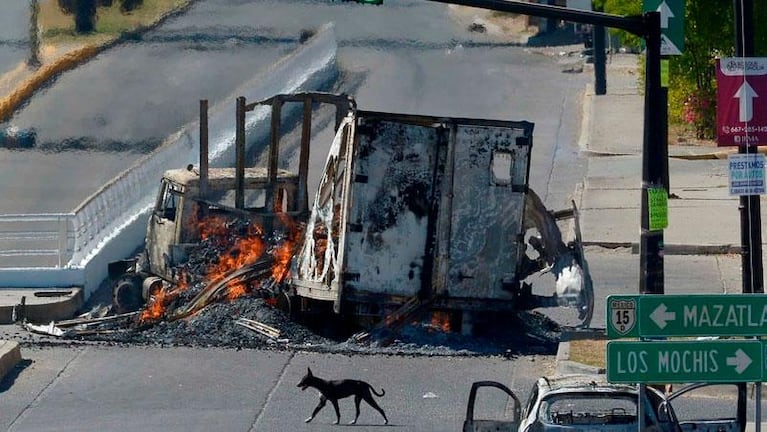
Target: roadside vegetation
[709,34]
[589,352]
[96,21]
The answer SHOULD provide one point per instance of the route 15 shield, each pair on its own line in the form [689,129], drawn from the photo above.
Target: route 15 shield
[622,313]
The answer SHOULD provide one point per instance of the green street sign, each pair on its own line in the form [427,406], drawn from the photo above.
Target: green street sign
[703,315]
[671,23]
[660,362]
[686,315]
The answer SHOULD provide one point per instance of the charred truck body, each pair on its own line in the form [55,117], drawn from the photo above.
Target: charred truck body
[410,212]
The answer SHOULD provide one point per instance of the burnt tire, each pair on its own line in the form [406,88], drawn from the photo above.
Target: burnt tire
[286,303]
[126,294]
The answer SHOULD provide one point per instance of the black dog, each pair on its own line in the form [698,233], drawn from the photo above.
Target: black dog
[334,390]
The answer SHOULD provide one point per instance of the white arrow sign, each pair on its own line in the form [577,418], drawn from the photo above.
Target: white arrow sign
[661,316]
[746,94]
[665,14]
[740,361]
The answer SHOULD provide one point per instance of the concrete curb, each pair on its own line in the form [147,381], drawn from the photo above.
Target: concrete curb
[10,356]
[672,249]
[71,60]
[26,89]
[40,305]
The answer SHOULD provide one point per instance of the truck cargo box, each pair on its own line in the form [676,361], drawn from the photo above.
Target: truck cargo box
[418,206]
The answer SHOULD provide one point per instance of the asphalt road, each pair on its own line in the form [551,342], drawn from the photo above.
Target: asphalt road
[179,389]
[14,34]
[407,56]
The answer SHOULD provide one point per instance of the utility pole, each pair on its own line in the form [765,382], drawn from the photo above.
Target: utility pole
[600,60]
[34,36]
[651,277]
[750,208]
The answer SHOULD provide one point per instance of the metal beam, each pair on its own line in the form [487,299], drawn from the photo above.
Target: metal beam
[632,24]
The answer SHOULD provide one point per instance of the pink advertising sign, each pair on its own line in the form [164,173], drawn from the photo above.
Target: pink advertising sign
[741,96]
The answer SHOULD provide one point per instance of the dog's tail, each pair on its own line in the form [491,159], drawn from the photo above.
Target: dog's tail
[383,392]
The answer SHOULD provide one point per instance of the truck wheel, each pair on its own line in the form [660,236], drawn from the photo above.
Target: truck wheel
[126,295]
[150,286]
[285,303]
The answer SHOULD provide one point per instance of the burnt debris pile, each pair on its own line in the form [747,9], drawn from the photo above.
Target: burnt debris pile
[229,294]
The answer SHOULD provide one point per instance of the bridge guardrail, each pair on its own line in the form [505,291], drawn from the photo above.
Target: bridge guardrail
[36,240]
[109,224]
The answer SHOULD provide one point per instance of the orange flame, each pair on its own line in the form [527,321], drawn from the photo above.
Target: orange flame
[284,253]
[282,256]
[236,290]
[157,303]
[211,226]
[441,320]
[245,251]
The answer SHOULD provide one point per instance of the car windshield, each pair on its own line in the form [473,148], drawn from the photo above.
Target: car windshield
[588,409]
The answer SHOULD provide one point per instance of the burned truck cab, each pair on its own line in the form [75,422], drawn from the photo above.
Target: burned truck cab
[187,209]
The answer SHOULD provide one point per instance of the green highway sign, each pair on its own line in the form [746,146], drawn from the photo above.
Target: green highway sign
[660,362]
[659,315]
[671,24]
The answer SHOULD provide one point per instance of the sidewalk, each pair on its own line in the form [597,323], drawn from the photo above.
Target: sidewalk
[703,217]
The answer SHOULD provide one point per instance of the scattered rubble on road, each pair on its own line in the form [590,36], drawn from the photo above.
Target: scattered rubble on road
[253,320]
[250,322]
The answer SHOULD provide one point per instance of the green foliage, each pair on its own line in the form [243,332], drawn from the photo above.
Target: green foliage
[626,8]
[709,34]
[84,11]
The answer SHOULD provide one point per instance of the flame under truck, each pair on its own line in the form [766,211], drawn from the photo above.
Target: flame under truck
[407,212]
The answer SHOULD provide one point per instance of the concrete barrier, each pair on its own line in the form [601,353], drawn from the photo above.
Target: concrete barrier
[110,224]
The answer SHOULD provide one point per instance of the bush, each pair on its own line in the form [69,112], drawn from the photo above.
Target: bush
[85,11]
[130,5]
[700,111]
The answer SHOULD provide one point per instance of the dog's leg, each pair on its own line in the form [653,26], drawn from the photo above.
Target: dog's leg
[338,412]
[357,399]
[317,409]
[369,399]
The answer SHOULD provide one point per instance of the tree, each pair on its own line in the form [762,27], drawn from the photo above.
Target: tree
[709,34]
[622,7]
[84,11]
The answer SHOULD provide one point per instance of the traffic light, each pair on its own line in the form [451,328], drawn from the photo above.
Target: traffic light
[373,2]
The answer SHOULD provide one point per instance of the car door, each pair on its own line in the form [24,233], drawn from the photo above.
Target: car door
[707,407]
[511,409]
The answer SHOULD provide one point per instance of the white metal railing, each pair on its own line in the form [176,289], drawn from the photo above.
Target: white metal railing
[52,249]
[36,240]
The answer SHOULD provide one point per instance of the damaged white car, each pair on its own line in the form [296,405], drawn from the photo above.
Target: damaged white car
[576,403]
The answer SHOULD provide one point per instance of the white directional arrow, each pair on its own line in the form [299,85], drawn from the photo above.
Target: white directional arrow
[746,94]
[740,361]
[660,316]
[665,14]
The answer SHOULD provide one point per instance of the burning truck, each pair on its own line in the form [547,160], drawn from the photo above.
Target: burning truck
[409,213]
